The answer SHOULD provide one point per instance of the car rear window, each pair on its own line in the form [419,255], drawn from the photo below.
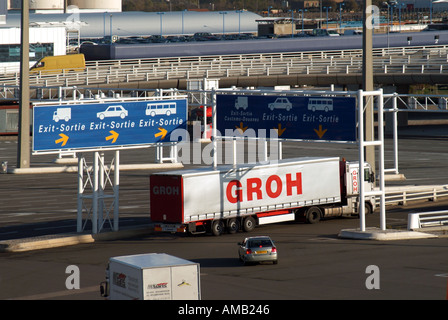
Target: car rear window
[260,243]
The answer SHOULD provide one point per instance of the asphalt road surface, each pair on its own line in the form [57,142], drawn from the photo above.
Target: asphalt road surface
[314,262]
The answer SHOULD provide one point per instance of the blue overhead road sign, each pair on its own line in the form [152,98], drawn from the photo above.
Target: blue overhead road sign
[106,125]
[292,117]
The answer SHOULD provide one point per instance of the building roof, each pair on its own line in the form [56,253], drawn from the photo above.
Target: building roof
[149,23]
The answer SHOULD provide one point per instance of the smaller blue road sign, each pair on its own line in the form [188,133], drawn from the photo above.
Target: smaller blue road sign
[106,125]
[296,118]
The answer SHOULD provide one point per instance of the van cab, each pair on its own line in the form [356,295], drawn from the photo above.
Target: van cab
[59,64]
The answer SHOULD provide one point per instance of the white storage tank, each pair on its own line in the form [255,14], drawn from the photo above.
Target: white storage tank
[97,5]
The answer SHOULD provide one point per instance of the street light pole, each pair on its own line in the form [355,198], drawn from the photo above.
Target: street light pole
[303,19]
[327,15]
[23,152]
[223,22]
[161,22]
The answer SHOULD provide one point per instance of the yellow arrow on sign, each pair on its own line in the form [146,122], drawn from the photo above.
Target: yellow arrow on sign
[162,133]
[320,132]
[112,137]
[280,130]
[63,139]
[241,128]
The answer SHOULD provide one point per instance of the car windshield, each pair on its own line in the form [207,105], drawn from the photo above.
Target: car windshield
[259,243]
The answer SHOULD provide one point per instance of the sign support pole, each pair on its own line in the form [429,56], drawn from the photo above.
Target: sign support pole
[214,131]
[98,177]
[362,221]
[363,143]
[116,189]
[80,192]
[95,194]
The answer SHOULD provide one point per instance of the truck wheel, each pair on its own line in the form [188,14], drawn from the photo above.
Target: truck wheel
[313,215]
[217,227]
[233,226]
[367,209]
[249,224]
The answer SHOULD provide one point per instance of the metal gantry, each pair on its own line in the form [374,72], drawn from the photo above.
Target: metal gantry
[98,193]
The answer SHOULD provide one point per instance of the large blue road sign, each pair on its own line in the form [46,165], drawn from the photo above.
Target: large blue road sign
[106,125]
[292,117]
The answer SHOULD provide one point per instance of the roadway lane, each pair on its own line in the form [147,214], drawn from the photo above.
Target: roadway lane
[39,204]
[313,264]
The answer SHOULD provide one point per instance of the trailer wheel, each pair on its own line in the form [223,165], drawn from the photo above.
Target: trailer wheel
[233,226]
[249,224]
[217,227]
[313,215]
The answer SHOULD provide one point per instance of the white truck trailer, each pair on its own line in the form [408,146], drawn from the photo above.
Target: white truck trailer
[153,276]
[228,198]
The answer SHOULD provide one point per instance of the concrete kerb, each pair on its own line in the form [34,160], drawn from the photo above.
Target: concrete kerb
[383,235]
[54,241]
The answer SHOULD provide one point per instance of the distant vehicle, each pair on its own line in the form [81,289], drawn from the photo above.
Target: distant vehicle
[324,33]
[280,103]
[257,249]
[204,36]
[352,32]
[320,104]
[62,114]
[59,64]
[161,108]
[113,111]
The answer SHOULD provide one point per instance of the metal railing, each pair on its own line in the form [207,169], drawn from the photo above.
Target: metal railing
[404,60]
[427,219]
[403,195]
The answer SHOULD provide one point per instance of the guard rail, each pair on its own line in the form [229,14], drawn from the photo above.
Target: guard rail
[427,219]
[403,195]
[396,60]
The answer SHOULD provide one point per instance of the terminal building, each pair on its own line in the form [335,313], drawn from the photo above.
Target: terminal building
[54,27]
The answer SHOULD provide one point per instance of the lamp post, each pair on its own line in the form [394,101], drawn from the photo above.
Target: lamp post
[430,11]
[399,14]
[161,22]
[340,15]
[327,14]
[239,20]
[110,27]
[223,21]
[23,150]
[302,11]
[183,12]
[320,21]
[292,23]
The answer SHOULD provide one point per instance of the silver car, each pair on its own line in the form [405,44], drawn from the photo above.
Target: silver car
[257,249]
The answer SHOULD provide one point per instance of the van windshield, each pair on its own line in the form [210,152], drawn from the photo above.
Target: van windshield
[39,64]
